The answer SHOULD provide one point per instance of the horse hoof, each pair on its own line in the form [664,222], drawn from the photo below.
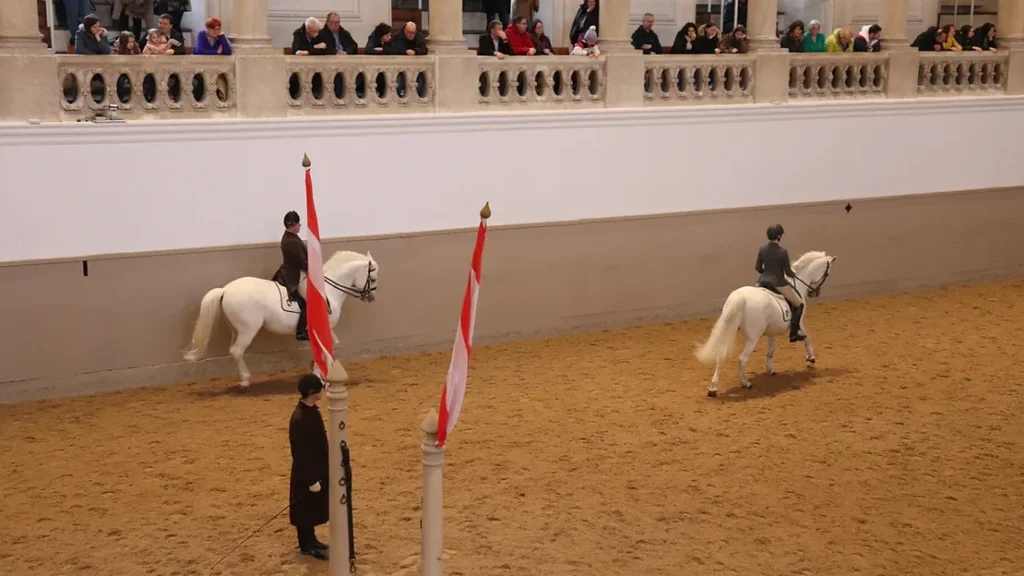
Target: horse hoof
[244,385]
[810,360]
[771,372]
[712,393]
[747,385]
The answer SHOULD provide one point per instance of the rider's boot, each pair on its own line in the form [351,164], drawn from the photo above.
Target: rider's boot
[300,328]
[795,333]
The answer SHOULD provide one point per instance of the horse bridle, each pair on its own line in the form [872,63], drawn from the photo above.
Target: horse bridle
[363,293]
[815,291]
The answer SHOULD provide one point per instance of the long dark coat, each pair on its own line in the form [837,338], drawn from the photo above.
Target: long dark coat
[310,464]
[293,252]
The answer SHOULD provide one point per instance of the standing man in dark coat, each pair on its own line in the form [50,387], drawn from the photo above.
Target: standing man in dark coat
[309,487]
[293,250]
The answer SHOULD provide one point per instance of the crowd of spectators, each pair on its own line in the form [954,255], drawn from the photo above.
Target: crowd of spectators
[522,37]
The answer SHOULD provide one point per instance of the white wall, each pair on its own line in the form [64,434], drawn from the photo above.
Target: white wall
[194,184]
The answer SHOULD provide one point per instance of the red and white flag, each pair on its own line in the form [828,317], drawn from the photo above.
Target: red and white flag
[317,321]
[455,385]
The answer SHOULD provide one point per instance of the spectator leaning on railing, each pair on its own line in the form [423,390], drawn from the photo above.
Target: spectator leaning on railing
[519,39]
[494,42]
[869,39]
[793,39]
[344,43]
[645,38]
[736,42]
[91,38]
[686,40]
[814,40]
[841,40]
[211,42]
[410,42]
[311,40]
[540,41]
[378,43]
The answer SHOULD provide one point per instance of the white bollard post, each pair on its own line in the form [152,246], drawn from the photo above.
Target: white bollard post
[431,540]
[337,407]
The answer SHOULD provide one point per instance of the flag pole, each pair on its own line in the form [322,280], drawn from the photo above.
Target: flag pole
[339,485]
[440,421]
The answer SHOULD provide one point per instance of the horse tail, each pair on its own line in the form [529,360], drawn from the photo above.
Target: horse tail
[719,344]
[209,312]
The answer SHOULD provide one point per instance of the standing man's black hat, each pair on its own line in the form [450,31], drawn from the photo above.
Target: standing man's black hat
[291,219]
[310,384]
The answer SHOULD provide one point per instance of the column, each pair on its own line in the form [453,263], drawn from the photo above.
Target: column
[762,24]
[445,27]
[1010,35]
[1010,26]
[903,60]
[613,33]
[432,523]
[260,68]
[249,33]
[771,69]
[894,24]
[29,67]
[337,408]
[19,28]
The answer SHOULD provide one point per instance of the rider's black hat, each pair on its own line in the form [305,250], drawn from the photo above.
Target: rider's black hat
[291,218]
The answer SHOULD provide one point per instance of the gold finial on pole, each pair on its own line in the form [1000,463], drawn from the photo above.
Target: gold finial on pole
[485,212]
[305,161]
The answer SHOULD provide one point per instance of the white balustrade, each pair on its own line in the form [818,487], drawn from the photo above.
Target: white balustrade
[541,81]
[146,87]
[962,73]
[359,84]
[676,80]
[838,76]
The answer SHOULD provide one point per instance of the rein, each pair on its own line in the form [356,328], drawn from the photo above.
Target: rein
[815,291]
[363,293]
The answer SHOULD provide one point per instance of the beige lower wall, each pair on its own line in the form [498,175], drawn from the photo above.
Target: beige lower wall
[127,322]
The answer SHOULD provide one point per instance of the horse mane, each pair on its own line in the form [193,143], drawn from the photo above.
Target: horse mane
[807,257]
[342,257]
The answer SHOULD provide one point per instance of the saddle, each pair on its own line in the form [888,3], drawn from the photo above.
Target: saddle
[287,303]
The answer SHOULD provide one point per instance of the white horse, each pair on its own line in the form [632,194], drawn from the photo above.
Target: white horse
[253,303]
[758,311]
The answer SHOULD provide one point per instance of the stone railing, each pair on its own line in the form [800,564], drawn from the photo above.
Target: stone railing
[354,84]
[671,80]
[962,73]
[541,82]
[146,87]
[838,76]
[265,86]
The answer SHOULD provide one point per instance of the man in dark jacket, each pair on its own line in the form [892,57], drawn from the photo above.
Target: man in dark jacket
[311,39]
[309,488]
[773,266]
[494,42]
[871,43]
[344,43]
[731,17]
[409,42]
[645,38]
[174,37]
[293,251]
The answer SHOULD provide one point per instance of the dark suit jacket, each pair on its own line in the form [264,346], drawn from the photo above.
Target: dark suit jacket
[302,42]
[486,47]
[293,250]
[773,265]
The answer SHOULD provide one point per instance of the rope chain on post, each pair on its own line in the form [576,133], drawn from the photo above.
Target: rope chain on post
[346,464]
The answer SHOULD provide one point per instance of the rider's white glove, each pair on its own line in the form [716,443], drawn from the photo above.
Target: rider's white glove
[315,488]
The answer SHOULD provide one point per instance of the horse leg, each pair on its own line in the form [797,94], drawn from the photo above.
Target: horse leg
[810,349]
[713,390]
[748,349]
[242,341]
[768,358]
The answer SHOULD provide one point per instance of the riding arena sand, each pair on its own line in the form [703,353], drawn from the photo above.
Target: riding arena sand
[900,453]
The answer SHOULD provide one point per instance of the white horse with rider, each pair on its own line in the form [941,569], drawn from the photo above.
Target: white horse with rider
[252,303]
[772,307]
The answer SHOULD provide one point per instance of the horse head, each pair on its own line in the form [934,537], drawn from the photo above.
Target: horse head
[353,274]
[812,270]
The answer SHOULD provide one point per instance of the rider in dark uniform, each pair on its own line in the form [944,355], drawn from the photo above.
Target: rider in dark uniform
[773,266]
[293,249]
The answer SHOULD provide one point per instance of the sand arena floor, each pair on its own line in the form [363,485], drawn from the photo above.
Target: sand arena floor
[901,453]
